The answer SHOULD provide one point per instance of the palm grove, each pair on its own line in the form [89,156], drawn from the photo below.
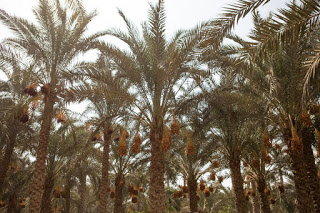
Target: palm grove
[160,132]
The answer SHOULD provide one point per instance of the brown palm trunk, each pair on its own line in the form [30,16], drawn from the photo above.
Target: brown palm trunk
[83,189]
[302,186]
[12,205]
[37,184]
[4,166]
[301,183]
[105,168]
[307,139]
[237,184]
[265,204]
[46,196]
[68,194]
[255,199]
[118,195]
[156,190]
[192,184]
[282,194]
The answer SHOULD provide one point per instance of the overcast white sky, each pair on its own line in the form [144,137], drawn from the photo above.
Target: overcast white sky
[180,13]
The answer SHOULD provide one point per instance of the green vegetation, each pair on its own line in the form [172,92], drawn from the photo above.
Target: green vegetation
[160,132]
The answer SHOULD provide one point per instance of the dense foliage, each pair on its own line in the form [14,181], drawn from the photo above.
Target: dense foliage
[186,124]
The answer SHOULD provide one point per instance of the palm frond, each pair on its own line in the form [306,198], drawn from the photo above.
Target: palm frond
[220,27]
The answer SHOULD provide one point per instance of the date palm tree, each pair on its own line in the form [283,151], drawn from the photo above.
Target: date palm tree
[53,45]
[273,71]
[155,68]
[192,166]
[14,106]
[108,98]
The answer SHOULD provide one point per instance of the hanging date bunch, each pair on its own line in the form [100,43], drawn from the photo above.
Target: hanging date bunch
[306,120]
[122,147]
[45,89]
[31,90]
[277,147]
[177,194]
[266,137]
[215,163]
[35,103]
[59,192]
[255,161]
[175,127]
[25,115]
[97,137]
[166,140]
[202,185]
[190,146]
[266,158]
[272,200]
[61,118]
[133,192]
[136,144]
[296,143]
[112,193]
[220,179]
[134,199]
[212,176]
[22,203]
[206,192]
[110,130]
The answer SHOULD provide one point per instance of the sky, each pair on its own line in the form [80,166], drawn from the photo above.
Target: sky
[181,14]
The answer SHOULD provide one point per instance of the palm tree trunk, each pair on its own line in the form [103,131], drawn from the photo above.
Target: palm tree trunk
[118,195]
[40,165]
[237,184]
[12,204]
[282,195]
[255,199]
[105,168]
[265,204]
[4,166]
[156,191]
[307,140]
[298,167]
[302,186]
[83,189]
[68,194]
[192,184]
[46,196]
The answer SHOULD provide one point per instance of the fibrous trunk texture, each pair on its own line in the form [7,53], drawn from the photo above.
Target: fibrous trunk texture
[192,184]
[104,173]
[301,183]
[255,199]
[307,140]
[4,166]
[68,194]
[46,196]
[237,184]
[83,189]
[265,204]
[37,184]
[300,177]
[118,195]
[156,190]
[12,204]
